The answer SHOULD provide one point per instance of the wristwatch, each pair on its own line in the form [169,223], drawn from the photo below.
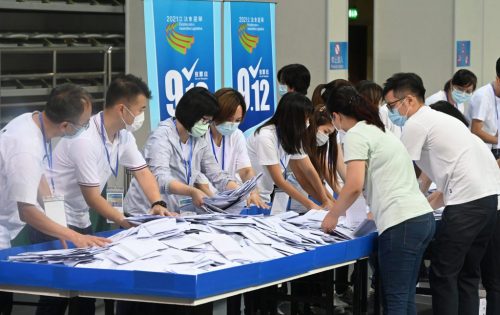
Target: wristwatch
[159,203]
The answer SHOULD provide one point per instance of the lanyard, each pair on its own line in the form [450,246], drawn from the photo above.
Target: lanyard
[223,149]
[187,163]
[114,171]
[48,153]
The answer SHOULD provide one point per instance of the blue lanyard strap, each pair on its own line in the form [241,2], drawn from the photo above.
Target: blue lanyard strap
[223,149]
[187,163]
[48,153]
[114,171]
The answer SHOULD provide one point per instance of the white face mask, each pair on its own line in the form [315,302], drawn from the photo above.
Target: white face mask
[137,124]
[339,129]
[321,138]
[282,89]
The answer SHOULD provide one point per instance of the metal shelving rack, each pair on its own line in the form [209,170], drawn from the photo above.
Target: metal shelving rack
[32,63]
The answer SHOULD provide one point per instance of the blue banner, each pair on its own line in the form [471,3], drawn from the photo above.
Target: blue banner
[183,50]
[249,58]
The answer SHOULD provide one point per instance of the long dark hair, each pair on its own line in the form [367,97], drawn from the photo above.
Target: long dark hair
[371,91]
[327,153]
[322,91]
[347,101]
[290,121]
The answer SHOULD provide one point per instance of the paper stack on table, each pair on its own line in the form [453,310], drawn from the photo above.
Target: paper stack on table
[229,201]
[197,244]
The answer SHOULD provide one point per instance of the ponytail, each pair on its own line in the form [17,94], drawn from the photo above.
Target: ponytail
[316,96]
[347,101]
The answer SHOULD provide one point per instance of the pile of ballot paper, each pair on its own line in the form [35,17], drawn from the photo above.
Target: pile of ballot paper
[229,201]
[201,243]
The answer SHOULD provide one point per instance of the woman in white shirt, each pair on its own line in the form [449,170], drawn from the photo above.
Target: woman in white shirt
[278,144]
[379,166]
[228,143]
[322,149]
[457,91]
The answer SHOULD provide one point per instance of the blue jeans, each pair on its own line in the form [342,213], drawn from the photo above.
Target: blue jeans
[400,251]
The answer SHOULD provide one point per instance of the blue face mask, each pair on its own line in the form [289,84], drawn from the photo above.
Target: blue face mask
[460,97]
[76,134]
[227,128]
[397,118]
[282,89]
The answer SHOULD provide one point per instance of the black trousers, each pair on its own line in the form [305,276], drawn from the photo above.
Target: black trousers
[5,303]
[49,305]
[490,272]
[457,251]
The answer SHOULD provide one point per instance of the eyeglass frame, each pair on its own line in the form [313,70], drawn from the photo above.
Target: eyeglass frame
[391,106]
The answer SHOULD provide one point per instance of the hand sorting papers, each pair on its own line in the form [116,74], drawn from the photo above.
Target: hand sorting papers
[201,243]
[229,201]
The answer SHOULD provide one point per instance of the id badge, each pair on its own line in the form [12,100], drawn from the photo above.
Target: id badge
[280,202]
[54,209]
[114,196]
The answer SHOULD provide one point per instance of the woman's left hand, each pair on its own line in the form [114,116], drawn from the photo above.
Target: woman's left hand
[255,199]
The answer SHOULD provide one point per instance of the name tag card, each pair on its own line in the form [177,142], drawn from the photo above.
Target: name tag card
[54,209]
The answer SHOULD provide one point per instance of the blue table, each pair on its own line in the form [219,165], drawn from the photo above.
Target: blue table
[167,288]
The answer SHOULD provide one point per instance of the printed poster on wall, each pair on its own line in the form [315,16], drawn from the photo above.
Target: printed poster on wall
[183,50]
[339,58]
[463,53]
[249,58]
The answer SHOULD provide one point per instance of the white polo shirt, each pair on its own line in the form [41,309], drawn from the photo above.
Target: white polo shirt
[83,162]
[264,149]
[235,152]
[485,106]
[231,155]
[455,159]
[21,169]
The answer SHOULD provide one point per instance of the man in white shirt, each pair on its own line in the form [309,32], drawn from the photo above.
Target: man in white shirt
[25,149]
[82,167]
[485,113]
[457,91]
[468,184]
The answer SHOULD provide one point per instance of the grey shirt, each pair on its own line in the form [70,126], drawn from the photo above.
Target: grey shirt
[165,158]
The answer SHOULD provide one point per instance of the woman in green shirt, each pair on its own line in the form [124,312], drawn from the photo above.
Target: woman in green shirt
[379,166]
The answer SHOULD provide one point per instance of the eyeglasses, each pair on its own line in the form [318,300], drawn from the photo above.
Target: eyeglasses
[206,120]
[392,105]
[78,126]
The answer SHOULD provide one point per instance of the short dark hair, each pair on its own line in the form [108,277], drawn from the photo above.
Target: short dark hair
[66,103]
[348,102]
[405,82]
[462,77]
[126,87]
[447,108]
[371,91]
[229,99]
[296,76]
[290,121]
[194,104]
[498,67]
